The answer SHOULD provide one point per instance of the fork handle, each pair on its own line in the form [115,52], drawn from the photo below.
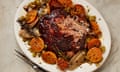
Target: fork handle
[38,69]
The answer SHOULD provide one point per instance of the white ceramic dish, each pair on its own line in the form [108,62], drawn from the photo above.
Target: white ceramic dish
[106,39]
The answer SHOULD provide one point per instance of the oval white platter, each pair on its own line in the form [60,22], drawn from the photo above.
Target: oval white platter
[106,39]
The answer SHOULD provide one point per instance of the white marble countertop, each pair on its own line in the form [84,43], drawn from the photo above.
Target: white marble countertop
[110,10]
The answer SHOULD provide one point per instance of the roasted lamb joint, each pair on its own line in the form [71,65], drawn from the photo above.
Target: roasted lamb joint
[63,31]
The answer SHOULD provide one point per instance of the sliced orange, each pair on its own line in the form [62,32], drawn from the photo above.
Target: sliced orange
[49,57]
[37,44]
[32,24]
[94,43]
[94,55]
[31,16]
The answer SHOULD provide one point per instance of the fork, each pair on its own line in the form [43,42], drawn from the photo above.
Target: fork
[28,61]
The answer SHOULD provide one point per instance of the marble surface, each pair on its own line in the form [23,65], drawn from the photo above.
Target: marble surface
[110,10]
